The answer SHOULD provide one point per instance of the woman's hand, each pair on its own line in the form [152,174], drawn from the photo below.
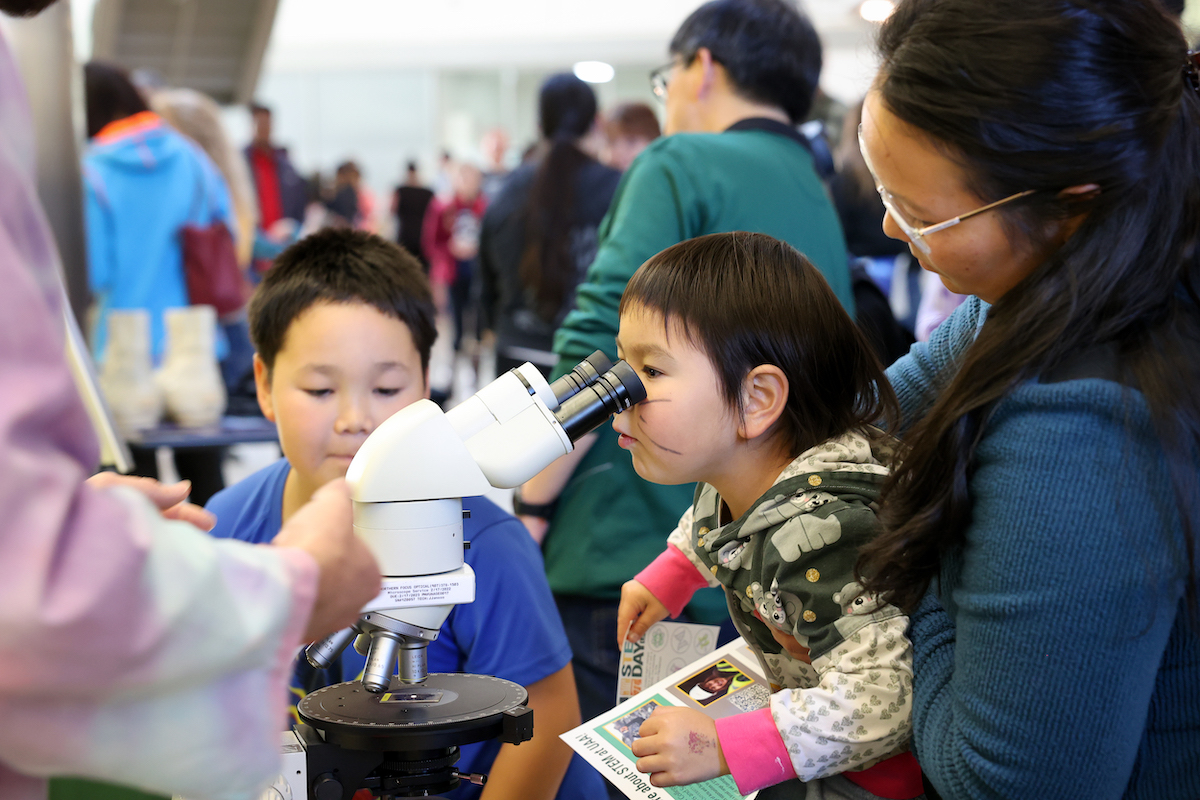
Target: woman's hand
[171,499]
[349,576]
[678,746]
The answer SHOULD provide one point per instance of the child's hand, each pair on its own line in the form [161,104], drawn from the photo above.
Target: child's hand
[679,746]
[639,607]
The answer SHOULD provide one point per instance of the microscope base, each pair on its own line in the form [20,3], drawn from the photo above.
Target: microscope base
[404,742]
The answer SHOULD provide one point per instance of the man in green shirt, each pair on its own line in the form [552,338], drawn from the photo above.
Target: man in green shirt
[742,76]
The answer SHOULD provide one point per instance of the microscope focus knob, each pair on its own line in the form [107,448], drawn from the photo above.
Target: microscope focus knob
[327,787]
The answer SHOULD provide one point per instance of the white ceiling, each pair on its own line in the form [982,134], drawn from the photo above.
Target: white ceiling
[322,35]
[313,35]
[447,33]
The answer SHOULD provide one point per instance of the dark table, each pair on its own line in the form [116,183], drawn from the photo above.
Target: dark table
[230,430]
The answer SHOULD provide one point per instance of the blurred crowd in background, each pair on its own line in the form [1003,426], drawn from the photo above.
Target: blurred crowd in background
[160,158]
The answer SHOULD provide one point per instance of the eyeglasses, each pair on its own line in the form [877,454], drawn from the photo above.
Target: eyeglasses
[659,79]
[914,233]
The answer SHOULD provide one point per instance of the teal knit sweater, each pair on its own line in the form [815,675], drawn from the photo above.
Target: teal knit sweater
[1054,658]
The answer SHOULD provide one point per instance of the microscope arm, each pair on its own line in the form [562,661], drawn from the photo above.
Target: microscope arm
[408,480]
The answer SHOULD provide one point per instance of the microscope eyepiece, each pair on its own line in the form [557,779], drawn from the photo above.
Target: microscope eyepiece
[611,393]
[586,373]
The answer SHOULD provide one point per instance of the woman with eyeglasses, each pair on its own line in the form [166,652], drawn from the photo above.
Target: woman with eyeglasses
[1043,156]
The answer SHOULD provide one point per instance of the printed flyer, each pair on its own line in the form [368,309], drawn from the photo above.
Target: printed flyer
[725,682]
[665,649]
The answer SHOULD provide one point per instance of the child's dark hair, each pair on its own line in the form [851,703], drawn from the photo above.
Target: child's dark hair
[748,299]
[341,266]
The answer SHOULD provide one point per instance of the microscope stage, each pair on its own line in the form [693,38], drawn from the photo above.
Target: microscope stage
[448,709]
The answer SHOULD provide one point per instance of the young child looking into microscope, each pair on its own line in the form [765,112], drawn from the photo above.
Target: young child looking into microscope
[761,389]
[343,324]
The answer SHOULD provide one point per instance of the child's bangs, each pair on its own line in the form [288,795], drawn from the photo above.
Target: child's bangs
[684,284]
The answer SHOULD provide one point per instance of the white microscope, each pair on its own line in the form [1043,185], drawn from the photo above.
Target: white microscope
[407,482]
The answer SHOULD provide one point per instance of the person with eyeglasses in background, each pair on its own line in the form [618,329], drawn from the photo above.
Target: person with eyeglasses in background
[742,75]
[1041,156]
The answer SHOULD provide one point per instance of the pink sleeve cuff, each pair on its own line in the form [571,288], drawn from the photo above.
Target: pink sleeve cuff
[672,578]
[754,750]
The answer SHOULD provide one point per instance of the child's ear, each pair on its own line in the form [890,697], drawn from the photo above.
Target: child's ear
[262,388]
[764,396]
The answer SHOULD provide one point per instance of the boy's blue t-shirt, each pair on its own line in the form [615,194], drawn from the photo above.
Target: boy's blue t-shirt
[511,631]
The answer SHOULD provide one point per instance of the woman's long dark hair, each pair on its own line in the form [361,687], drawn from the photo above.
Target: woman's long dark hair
[566,110]
[1045,95]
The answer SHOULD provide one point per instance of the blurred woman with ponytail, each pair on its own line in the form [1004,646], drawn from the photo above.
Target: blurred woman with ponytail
[540,233]
[1043,157]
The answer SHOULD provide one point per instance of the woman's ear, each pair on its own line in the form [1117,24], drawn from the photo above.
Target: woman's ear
[1067,227]
[1084,191]
[262,388]
[764,397]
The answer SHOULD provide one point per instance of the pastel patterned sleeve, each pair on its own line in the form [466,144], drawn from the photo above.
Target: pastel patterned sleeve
[132,648]
[859,711]
[851,707]
[856,713]
[149,654]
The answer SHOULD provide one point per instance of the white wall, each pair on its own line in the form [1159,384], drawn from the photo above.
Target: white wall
[377,117]
[383,116]
[386,80]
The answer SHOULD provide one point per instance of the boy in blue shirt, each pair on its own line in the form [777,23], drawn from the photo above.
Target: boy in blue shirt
[343,324]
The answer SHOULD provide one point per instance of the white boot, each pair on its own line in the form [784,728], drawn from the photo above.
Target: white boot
[190,376]
[126,379]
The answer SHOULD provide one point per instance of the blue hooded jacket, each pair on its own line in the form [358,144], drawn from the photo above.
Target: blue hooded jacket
[143,182]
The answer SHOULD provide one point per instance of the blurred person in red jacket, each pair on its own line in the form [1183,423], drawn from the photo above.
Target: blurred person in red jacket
[450,240]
